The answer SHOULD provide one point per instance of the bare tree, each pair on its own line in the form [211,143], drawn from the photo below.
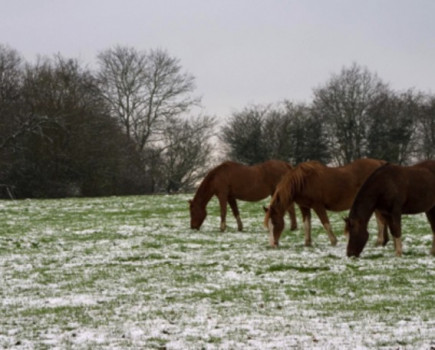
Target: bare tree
[10,98]
[426,129]
[283,131]
[307,135]
[242,135]
[187,152]
[144,89]
[276,129]
[343,104]
[392,126]
[10,106]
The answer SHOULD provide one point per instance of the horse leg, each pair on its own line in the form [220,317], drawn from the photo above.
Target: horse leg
[382,230]
[394,223]
[223,206]
[323,216]
[293,221]
[431,217]
[235,210]
[306,218]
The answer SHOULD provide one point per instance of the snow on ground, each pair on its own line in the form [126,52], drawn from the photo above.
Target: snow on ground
[118,273]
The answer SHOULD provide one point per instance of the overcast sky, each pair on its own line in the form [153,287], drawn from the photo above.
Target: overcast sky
[241,52]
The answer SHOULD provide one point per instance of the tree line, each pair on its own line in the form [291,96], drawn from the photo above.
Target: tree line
[129,126]
[353,115]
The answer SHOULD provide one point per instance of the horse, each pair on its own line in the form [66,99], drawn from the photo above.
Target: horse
[230,181]
[313,185]
[392,190]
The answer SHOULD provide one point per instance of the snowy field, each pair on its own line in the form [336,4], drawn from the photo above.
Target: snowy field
[128,273]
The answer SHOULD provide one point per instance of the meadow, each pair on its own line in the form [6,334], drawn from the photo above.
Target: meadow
[128,273]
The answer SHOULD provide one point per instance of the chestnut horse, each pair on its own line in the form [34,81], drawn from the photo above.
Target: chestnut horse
[230,181]
[392,190]
[313,185]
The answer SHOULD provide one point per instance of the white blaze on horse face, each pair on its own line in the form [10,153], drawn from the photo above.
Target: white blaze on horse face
[271,238]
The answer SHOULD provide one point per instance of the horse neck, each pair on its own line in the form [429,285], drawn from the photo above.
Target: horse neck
[204,193]
[286,190]
[363,207]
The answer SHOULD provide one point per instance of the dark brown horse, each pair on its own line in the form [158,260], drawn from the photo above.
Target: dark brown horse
[230,181]
[313,185]
[392,190]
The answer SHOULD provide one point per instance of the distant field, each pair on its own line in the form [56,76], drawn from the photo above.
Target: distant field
[127,272]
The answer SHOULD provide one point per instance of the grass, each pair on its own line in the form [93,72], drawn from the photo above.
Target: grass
[127,272]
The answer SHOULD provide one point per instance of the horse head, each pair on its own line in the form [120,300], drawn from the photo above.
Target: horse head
[358,236]
[274,221]
[197,215]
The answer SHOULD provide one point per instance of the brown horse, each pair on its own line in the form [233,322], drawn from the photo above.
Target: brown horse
[230,181]
[393,190]
[313,185]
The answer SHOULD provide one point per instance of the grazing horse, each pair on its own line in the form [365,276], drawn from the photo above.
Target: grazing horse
[313,185]
[230,181]
[392,190]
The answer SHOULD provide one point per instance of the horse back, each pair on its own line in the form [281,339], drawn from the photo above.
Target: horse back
[427,164]
[419,187]
[336,187]
[408,189]
[250,183]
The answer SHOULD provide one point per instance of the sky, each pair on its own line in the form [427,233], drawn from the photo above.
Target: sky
[241,52]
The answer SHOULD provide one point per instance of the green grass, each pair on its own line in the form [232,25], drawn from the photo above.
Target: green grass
[127,272]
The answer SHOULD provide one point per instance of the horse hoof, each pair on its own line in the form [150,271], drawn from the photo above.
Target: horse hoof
[293,228]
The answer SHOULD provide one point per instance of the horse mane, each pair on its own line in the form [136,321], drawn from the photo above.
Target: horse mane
[293,182]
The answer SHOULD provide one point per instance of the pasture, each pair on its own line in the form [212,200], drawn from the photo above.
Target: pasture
[127,272]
